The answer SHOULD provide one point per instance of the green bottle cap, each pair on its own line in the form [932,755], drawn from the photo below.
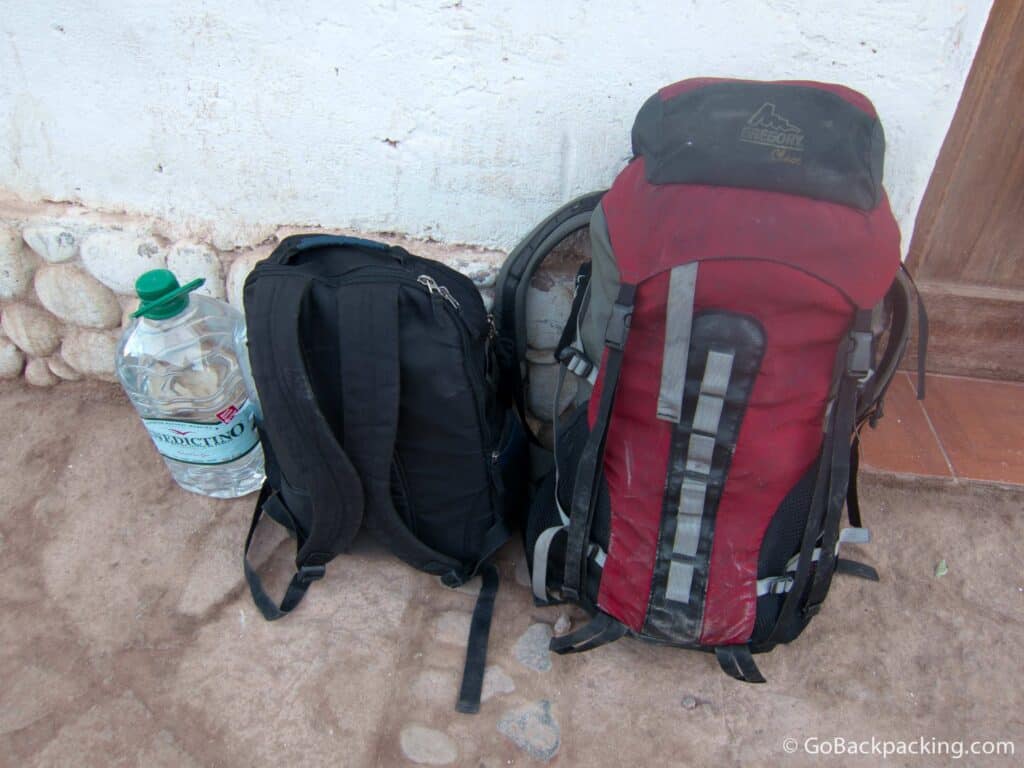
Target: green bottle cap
[160,295]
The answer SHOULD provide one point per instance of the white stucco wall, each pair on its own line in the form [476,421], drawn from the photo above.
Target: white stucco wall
[461,120]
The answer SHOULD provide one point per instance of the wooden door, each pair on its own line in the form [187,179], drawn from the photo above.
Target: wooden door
[967,252]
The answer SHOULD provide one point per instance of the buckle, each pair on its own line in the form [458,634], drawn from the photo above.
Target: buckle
[858,360]
[576,362]
[618,326]
[307,574]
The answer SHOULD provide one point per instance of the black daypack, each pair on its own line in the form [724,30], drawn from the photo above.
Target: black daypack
[376,382]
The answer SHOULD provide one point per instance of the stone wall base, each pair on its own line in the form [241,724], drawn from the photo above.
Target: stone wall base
[67,276]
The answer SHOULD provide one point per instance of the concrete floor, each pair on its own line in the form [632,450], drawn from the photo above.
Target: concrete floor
[129,638]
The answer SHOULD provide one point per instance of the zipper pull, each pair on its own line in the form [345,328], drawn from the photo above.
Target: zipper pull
[432,288]
[492,328]
[448,296]
[437,290]
[430,284]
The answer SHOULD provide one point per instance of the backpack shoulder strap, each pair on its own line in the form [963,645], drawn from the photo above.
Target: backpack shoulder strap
[305,449]
[371,388]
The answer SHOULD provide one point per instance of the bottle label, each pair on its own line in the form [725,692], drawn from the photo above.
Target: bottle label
[194,442]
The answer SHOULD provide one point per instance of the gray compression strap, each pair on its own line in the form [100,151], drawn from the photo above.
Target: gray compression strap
[678,325]
[777,585]
[541,549]
[542,546]
[699,455]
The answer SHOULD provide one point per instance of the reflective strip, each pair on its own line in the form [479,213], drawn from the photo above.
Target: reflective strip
[700,453]
[688,518]
[682,285]
[717,373]
[698,456]
[854,536]
[680,577]
[541,548]
[708,414]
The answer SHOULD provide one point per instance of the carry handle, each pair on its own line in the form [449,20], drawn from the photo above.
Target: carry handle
[292,246]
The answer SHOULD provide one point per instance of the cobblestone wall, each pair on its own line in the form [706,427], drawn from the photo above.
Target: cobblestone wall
[67,284]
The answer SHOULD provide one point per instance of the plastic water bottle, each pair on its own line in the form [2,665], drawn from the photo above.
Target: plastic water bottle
[184,363]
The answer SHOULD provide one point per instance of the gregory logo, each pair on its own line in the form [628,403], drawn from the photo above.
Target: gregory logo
[770,129]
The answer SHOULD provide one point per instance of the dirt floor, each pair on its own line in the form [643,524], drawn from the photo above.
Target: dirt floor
[129,638]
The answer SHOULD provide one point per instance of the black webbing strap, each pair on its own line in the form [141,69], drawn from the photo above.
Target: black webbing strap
[588,472]
[305,448]
[922,332]
[368,337]
[858,369]
[568,335]
[476,647]
[600,630]
[819,498]
[922,338]
[304,576]
[737,662]
[852,497]
[860,570]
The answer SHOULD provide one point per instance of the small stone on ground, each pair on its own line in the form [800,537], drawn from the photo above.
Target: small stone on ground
[496,683]
[452,627]
[533,729]
[427,746]
[532,648]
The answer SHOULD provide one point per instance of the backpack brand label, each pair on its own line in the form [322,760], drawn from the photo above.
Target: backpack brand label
[770,129]
[195,442]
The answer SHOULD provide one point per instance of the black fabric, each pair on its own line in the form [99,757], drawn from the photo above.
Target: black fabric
[922,336]
[568,335]
[744,338]
[375,373]
[790,616]
[476,647]
[572,440]
[585,491]
[324,508]
[600,630]
[737,662]
[784,138]
[847,567]
[304,575]
[852,497]
[543,513]
[839,474]
[781,541]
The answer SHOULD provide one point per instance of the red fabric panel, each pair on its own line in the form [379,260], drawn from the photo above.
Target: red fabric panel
[803,320]
[635,461]
[654,228]
[778,441]
[858,100]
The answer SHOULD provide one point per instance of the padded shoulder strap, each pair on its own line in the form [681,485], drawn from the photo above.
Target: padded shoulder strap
[305,448]
[371,388]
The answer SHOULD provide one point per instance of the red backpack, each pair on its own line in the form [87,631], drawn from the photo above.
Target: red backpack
[745,271]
